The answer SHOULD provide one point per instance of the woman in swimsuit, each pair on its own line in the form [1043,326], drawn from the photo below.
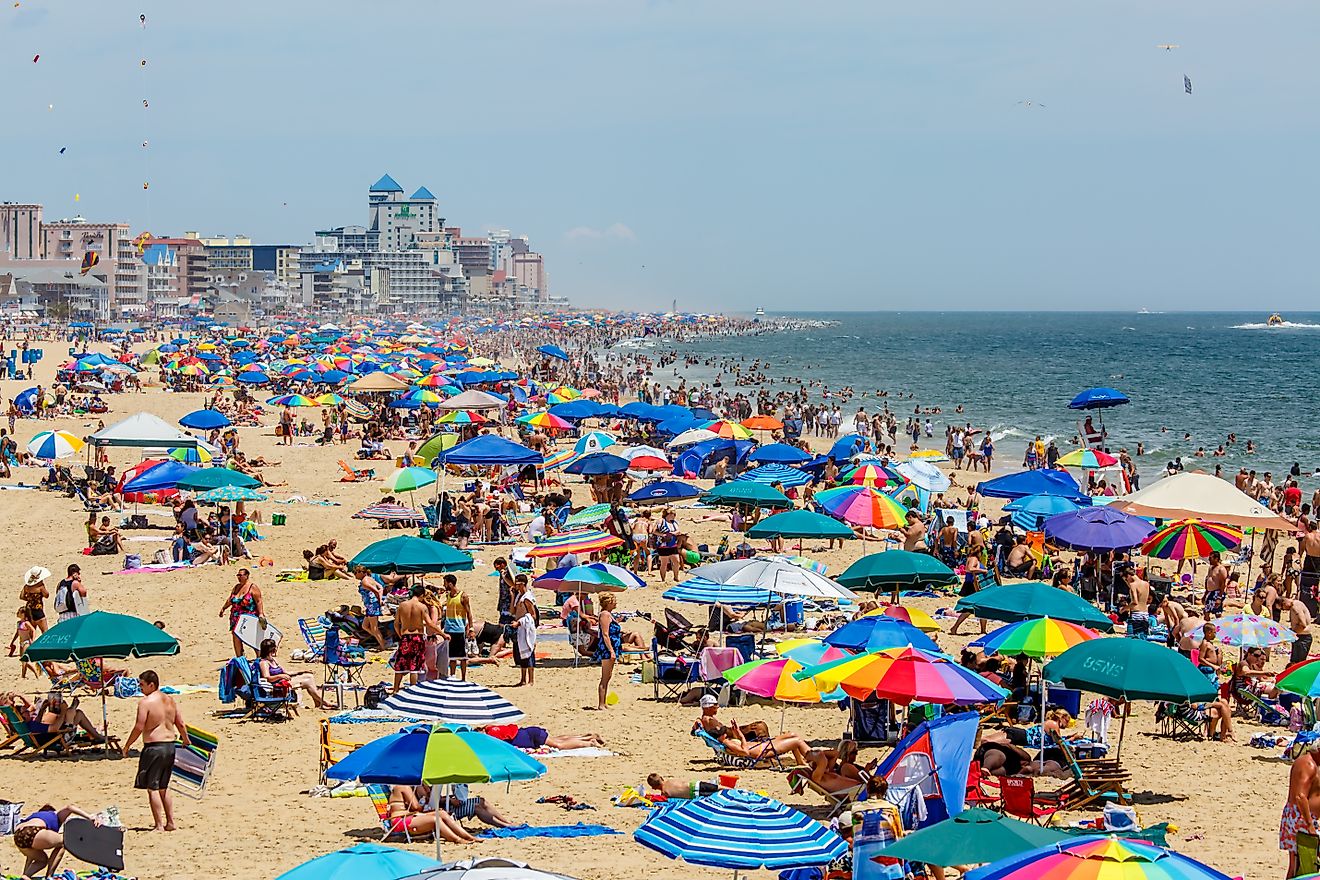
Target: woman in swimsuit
[406,814]
[33,596]
[40,839]
[245,598]
[272,672]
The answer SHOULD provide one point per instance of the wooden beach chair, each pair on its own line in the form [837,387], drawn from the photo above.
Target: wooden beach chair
[332,750]
[1094,780]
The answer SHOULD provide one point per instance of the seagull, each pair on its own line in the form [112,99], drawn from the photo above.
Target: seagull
[1032,104]
[1168,47]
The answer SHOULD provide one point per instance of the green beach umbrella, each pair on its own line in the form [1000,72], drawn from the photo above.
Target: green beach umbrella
[746,492]
[1014,602]
[896,568]
[975,836]
[101,634]
[1301,678]
[409,479]
[216,478]
[800,524]
[411,556]
[436,445]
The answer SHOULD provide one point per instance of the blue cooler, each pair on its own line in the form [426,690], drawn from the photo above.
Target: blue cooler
[793,614]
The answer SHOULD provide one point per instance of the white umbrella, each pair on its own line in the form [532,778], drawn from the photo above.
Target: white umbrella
[924,475]
[691,436]
[637,451]
[773,574]
[1201,496]
[486,868]
[453,701]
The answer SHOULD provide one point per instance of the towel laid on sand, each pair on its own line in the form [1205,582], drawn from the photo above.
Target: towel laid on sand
[571,753]
[519,832]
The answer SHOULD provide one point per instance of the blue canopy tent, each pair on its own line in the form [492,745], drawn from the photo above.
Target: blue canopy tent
[1030,511]
[779,453]
[489,449]
[696,458]
[1041,482]
[165,475]
[931,764]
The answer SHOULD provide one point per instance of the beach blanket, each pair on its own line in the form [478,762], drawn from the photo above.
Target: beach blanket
[149,539]
[299,499]
[570,753]
[373,716]
[19,488]
[520,832]
[154,568]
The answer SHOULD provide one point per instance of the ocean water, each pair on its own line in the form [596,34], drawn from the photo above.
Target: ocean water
[1207,374]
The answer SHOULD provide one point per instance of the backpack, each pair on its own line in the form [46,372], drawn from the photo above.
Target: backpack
[374,696]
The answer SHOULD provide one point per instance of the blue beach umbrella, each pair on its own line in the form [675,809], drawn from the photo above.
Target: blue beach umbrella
[553,351]
[1098,398]
[1097,528]
[878,633]
[205,420]
[700,591]
[663,492]
[739,830]
[364,861]
[778,453]
[769,474]
[252,377]
[1030,511]
[598,463]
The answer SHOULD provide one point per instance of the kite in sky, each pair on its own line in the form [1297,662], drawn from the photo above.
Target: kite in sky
[90,259]
[1187,84]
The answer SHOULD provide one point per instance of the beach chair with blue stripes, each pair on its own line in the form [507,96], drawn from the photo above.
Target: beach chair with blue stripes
[194,763]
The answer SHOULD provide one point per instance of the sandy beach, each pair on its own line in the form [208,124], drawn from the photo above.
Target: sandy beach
[257,819]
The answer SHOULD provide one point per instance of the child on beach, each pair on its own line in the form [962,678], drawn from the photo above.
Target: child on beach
[24,634]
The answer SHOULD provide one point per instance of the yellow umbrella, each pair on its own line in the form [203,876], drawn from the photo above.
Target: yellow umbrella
[915,616]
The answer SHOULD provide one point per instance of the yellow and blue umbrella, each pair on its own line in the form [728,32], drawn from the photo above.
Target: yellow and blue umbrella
[50,445]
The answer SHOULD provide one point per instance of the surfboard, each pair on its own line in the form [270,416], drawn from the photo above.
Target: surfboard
[98,845]
[250,632]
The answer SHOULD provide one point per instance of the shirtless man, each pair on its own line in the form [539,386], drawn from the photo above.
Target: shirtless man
[1171,614]
[1020,562]
[947,543]
[1138,607]
[1299,621]
[1309,548]
[914,533]
[159,723]
[1303,803]
[412,621]
[1266,598]
[1216,580]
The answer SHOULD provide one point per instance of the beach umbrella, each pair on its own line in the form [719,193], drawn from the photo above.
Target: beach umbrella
[746,493]
[699,591]
[778,453]
[878,632]
[409,479]
[291,400]
[894,569]
[434,446]
[453,701]
[664,492]
[718,831]
[559,459]
[205,420]
[1088,459]
[871,474]
[230,494]
[1191,539]
[553,351]
[691,437]
[1013,602]
[598,463]
[904,675]
[924,475]
[975,836]
[810,652]
[411,555]
[800,524]
[554,578]
[363,861]
[101,634]
[50,445]
[762,423]
[579,541]
[596,441]
[1031,512]
[583,579]
[252,377]
[1037,637]
[545,420]
[648,463]
[914,616]
[772,678]
[487,868]
[1252,631]
[328,399]
[1097,528]
[592,515]
[453,750]
[728,430]
[191,454]
[1101,857]
[772,573]
[203,479]
[462,417]
[390,513]
[769,474]
[1098,398]
[1302,678]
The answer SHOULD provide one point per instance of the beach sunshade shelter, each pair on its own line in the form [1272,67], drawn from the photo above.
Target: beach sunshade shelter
[1031,512]
[1131,669]
[489,450]
[411,555]
[973,837]
[452,701]
[904,675]
[800,524]
[774,574]
[473,399]
[895,569]
[598,463]
[583,579]
[746,493]
[699,591]
[363,861]
[487,868]
[554,578]
[579,541]
[1038,482]
[1097,528]
[924,475]
[205,479]
[1013,602]
[435,445]
[769,474]
[878,633]
[160,477]
[664,492]
[378,382]
[142,430]
[1252,631]
[862,505]
[1106,857]
[50,445]
[778,453]
[738,830]
[1201,496]
[1191,539]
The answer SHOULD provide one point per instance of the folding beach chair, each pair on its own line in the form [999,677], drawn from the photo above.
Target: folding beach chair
[983,790]
[800,780]
[1183,721]
[768,760]
[341,668]
[352,475]
[1021,801]
[193,763]
[673,674]
[1094,780]
[332,750]
[313,633]
[36,741]
[260,701]
[380,801]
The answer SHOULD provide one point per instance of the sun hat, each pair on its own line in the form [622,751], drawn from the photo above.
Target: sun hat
[707,701]
[35,575]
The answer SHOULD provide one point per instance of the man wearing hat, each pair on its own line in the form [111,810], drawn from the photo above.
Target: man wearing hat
[34,595]
[1303,803]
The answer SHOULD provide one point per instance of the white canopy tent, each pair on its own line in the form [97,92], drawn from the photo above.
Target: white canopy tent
[143,430]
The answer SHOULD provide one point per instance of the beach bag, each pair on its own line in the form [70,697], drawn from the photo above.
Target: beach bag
[10,815]
[161,557]
[126,687]
[374,696]
[132,561]
[1120,818]
[138,521]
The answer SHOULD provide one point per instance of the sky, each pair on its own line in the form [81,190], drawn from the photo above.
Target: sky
[717,153]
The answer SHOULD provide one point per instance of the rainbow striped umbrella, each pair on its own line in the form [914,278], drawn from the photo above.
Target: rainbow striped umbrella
[591,515]
[1251,631]
[728,430]
[904,675]
[1088,459]
[434,380]
[872,474]
[581,541]
[462,417]
[1037,637]
[772,678]
[559,459]
[810,652]
[1191,539]
[545,420]
[291,400]
[863,506]
[329,399]
[1098,858]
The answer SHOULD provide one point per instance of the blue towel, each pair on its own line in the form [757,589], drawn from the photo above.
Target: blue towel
[519,832]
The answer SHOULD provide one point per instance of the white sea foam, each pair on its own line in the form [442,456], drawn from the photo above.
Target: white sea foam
[1286,325]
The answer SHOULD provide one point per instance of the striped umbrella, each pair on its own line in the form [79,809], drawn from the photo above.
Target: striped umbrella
[872,475]
[357,409]
[700,591]
[1038,637]
[1252,631]
[1191,539]
[863,506]
[583,579]
[330,398]
[462,417]
[810,652]
[554,578]
[596,441]
[1301,678]
[580,541]
[769,474]
[879,632]
[914,616]
[904,675]
[592,515]
[545,420]
[409,479]
[739,830]
[390,513]
[1098,858]
[559,459]
[772,678]
[728,430]
[191,454]
[453,701]
[50,445]
[230,494]
[1088,459]
[291,400]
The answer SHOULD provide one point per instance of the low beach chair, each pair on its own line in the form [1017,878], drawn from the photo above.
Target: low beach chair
[983,790]
[260,701]
[313,633]
[20,731]
[343,670]
[767,761]
[799,780]
[193,763]
[674,675]
[1094,781]
[332,750]
[380,800]
[352,475]
[1180,721]
[1022,802]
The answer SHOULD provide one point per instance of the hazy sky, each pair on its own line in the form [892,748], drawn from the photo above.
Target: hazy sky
[846,155]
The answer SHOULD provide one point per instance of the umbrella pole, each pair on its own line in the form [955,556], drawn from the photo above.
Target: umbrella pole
[105,714]
[435,808]
[1122,726]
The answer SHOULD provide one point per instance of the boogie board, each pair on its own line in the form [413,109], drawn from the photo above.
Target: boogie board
[95,844]
[250,632]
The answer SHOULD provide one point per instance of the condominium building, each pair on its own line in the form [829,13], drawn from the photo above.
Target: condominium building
[20,231]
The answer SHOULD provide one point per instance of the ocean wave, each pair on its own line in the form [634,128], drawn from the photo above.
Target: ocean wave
[1286,325]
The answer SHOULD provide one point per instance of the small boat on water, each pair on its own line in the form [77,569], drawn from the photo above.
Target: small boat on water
[1275,320]
[760,312]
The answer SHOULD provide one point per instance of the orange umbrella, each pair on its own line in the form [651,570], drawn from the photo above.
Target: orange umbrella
[762,423]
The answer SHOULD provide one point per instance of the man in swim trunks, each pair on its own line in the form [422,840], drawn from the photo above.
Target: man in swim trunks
[159,723]
[412,620]
[1303,802]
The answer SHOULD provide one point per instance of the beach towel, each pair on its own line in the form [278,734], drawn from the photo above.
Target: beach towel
[154,568]
[521,832]
[570,753]
[372,716]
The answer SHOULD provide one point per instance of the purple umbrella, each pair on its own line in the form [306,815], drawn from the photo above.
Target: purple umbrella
[1098,528]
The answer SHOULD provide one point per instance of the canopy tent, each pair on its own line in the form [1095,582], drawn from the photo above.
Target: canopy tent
[472,399]
[376,382]
[489,449]
[143,430]
[1201,496]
